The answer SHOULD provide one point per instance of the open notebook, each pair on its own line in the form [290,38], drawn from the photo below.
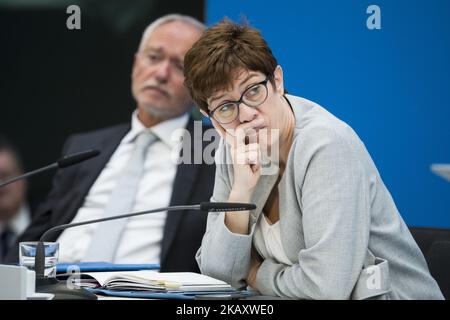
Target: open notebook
[149,280]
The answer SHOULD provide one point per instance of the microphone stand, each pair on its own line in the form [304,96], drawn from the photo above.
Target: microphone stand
[65,161]
[59,289]
[62,291]
[29,174]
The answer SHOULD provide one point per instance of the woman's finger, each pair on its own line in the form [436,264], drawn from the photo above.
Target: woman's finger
[250,157]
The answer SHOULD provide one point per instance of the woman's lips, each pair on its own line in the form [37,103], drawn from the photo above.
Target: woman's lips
[257,129]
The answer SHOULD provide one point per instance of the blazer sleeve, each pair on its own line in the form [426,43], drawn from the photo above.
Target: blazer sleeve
[334,197]
[223,254]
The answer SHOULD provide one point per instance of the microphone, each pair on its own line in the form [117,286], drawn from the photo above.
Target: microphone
[61,163]
[75,158]
[226,206]
[61,291]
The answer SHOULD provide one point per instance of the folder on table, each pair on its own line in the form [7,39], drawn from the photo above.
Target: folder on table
[103,267]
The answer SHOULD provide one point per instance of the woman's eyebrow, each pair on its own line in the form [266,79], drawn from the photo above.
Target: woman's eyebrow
[248,78]
[216,98]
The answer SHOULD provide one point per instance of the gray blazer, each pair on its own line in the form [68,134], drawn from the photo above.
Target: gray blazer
[339,224]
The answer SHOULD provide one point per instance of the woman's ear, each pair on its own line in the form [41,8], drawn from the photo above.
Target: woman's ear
[278,78]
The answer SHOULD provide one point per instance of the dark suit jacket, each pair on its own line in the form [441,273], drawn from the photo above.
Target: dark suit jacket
[183,230]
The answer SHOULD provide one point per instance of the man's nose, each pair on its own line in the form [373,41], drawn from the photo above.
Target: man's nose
[162,73]
[246,113]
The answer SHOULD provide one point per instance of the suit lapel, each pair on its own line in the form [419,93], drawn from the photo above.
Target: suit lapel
[183,185]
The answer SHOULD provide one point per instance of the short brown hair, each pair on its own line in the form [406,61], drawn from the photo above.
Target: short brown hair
[223,49]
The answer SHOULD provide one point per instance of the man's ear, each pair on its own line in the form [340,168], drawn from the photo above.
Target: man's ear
[278,78]
[133,68]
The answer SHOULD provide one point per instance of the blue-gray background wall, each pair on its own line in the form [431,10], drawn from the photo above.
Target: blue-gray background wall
[391,85]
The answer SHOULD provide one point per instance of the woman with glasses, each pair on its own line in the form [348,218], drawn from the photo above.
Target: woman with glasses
[325,226]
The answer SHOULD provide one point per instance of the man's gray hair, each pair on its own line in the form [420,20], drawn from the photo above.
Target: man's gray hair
[166,19]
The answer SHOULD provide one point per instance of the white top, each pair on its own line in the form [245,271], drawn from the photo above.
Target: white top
[142,236]
[267,241]
[19,222]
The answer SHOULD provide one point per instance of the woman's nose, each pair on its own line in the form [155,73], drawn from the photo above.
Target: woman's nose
[247,113]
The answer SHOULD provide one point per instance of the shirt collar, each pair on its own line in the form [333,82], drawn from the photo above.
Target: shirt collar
[166,131]
[19,222]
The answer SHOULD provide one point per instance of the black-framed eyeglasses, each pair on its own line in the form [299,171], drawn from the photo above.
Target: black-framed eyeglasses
[253,96]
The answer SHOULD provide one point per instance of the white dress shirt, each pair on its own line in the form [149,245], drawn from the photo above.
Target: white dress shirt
[18,223]
[142,236]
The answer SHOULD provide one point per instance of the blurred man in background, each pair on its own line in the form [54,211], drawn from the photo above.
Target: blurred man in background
[14,213]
